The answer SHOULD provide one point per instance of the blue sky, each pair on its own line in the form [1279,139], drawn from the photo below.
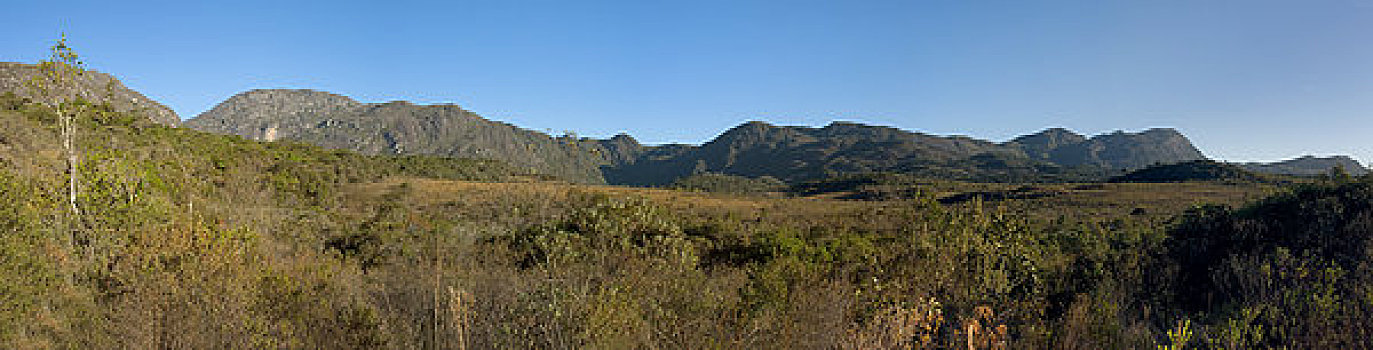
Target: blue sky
[1244,79]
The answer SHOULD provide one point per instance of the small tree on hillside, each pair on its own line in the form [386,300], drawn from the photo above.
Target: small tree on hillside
[56,85]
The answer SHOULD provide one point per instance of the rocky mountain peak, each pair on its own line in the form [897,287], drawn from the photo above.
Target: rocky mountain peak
[287,101]
[269,114]
[1124,150]
[756,134]
[624,139]
[1038,145]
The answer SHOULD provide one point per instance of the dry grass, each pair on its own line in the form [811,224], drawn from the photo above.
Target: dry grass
[1153,201]
[897,327]
[525,196]
[1157,199]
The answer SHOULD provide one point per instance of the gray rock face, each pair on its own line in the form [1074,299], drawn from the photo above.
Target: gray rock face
[1119,150]
[621,149]
[1308,165]
[268,115]
[1038,145]
[91,86]
[1124,151]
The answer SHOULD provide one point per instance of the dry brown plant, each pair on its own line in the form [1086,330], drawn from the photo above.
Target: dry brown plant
[898,327]
[983,330]
[459,310]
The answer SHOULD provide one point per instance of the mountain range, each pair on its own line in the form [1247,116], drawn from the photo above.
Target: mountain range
[752,149]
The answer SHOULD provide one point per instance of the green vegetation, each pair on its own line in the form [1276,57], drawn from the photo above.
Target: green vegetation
[753,150]
[194,240]
[1197,170]
[721,183]
[1290,269]
[398,128]
[170,248]
[57,75]
[800,154]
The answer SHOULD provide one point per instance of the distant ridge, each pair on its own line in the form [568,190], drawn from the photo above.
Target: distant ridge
[751,149]
[1118,150]
[1308,165]
[92,86]
[794,153]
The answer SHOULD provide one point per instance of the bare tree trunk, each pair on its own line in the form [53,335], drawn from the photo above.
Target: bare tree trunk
[68,134]
[68,129]
[438,282]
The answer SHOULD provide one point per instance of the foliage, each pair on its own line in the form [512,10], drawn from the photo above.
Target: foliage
[169,252]
[1288,270]
[721,183]
[1198,170]
[852,182]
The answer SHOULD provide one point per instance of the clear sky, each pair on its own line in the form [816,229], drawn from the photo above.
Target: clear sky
[1244,79]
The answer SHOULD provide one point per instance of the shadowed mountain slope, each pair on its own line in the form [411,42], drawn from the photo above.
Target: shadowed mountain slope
[795,153]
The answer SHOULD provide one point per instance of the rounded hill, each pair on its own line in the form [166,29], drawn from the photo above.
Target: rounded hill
[1197,170]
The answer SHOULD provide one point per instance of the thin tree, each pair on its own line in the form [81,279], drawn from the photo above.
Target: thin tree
[56,84]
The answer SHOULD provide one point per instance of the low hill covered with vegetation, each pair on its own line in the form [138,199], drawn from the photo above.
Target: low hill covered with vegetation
[1308,166]
[1200,170]
[720,183]
[17,78]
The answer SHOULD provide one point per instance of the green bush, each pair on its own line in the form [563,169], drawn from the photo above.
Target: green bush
[1286,271]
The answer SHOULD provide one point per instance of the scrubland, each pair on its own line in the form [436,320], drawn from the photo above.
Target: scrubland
[192,240]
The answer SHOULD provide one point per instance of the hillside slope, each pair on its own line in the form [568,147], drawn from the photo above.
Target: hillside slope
[339,122]
[91,86]
[794,153]
[1308,165]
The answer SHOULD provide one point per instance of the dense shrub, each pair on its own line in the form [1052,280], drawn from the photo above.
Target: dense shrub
[1197,170]
[1290,270]
[723,183]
